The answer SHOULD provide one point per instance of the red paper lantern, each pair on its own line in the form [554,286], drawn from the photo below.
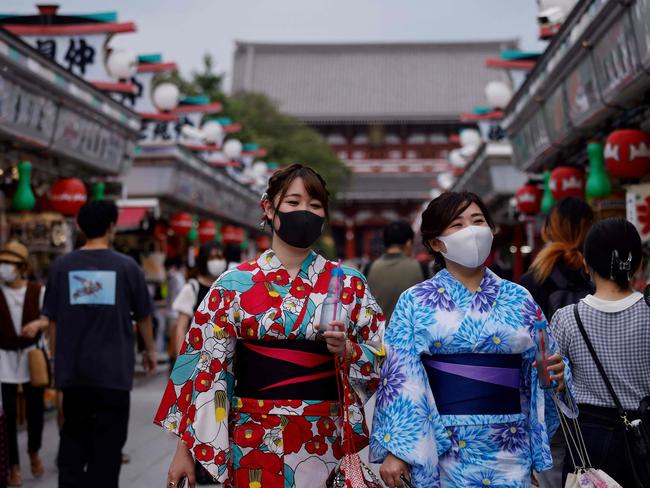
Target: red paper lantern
[529,199]
[68,195]
[262,242]
[207,231]
[181,223]
[232,235]
[567,181]
[627,153]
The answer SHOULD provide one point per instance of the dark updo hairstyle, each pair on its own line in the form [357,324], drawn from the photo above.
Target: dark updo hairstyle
[314,185]
[205,251]
[441,212]
[613,250]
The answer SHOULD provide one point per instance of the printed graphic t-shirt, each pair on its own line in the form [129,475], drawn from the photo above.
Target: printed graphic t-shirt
[94,296]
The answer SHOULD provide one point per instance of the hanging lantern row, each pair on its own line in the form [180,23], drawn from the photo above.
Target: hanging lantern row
[529,199]
[627,154]
[207,231]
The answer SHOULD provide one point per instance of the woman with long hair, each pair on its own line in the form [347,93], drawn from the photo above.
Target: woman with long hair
[615,319]
[253,395]
[557,276]
[459,402]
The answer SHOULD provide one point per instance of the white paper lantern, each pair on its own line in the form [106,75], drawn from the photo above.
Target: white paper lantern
[212,132]
[166,97]
[232,149]
[260,169]
[456,159]
[433,194]
[445,180]
[498,94]
[122,64]
[470,137]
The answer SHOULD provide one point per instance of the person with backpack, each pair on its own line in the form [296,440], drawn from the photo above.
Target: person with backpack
[613,324]
[557,278]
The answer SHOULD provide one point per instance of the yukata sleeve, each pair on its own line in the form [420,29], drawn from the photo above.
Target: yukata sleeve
[366,332]
[544,413]
[406,422]
[196,402]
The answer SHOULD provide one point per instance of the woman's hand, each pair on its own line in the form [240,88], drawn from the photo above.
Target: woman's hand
[556,370]
[391,470]
[336,337]
[182,466]
[32,328]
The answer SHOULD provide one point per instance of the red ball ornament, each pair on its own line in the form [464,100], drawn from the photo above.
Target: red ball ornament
[627,153]
[181,223]
[567,181]
[231,234]
[67,196]
[207,231]
[529,199]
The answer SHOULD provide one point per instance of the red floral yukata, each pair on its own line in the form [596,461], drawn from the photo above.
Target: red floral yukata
[253,443]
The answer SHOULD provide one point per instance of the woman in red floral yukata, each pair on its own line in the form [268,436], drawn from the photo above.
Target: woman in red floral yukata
[253,395]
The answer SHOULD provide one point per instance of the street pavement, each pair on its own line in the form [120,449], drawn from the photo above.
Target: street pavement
[149,447]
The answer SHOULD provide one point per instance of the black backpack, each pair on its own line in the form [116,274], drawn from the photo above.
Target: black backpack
[567,293]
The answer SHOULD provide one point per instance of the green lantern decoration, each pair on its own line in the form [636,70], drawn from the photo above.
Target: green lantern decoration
[245,243]
[99,190]
[547,199]
[193,234]
[218,237]
[598,184]
[24,199]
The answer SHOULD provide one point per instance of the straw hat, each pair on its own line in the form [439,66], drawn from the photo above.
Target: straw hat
[14,252]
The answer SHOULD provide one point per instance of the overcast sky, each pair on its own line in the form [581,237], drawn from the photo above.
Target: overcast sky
[183,30]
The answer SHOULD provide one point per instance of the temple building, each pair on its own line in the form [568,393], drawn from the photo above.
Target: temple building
[391,111]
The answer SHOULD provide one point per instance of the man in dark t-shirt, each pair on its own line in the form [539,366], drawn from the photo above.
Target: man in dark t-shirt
[92,298]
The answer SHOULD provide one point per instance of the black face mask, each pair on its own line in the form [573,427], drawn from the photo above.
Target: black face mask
[300,228]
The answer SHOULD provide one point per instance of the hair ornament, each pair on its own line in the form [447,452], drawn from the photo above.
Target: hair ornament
[618,264]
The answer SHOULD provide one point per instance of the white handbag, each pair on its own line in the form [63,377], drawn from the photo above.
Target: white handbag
[584,475]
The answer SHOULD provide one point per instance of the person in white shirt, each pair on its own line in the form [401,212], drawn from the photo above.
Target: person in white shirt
[21,327]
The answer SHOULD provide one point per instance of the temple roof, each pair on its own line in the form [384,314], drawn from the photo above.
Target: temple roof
[383,81]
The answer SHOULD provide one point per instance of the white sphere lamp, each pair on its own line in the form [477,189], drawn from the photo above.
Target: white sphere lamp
[498,94]
[232,149]
[470,137]
[259,169]
[445,180]
[166,97]
[122,64]
[212,132]
[456,159]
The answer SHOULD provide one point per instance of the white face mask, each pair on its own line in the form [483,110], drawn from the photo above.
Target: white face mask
[216,267]
[468,247]
[8,272]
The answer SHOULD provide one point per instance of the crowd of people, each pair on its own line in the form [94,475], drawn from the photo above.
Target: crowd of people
[267,389]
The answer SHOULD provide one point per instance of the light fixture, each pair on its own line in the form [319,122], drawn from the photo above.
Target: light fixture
[498,94]
[212,132]
[232,149]
[122,64]
[470,137]
[166,97]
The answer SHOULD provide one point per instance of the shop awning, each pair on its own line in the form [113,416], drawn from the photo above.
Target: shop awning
[131,217]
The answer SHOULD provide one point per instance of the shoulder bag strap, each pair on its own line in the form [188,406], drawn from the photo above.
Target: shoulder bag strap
[599,365]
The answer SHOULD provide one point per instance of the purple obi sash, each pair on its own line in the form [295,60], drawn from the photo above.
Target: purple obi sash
[475,384]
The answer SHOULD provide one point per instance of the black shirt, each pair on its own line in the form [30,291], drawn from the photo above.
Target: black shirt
[94,296]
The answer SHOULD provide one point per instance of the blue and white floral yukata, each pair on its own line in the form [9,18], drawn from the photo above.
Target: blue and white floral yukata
[440,318]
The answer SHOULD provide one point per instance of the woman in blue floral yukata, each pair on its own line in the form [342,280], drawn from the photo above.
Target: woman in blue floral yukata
[459,403]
